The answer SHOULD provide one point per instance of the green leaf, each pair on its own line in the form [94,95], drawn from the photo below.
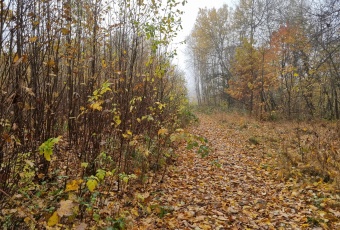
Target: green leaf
[133,176]
[92,183]
[126,179]
[84,164]
[101,174]
[192,144]
[46,148]
[96,217]
[47,154]
[203,150]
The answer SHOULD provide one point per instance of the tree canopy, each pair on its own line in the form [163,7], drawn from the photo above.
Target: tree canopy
[269,57]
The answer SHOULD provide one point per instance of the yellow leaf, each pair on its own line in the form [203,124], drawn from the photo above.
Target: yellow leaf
[27,220]
[92,184]
[146,153]
[17,60]
[134,211]
[140,197]
[133,143]
[66,208]
[127,134]
[47,155]
[51,63]
[65,31]
[205,226]
[53,220]
[96,106]
[33,39]
[250,85]
[117,120]
[322,213]
[73,185]
[162,131]
[104,64]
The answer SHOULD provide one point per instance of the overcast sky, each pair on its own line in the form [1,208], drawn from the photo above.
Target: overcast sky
[188,21]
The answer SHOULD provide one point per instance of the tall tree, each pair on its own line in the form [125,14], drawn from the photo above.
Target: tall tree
[212,46]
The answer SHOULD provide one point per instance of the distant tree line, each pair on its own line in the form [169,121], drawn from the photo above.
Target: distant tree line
[270,57]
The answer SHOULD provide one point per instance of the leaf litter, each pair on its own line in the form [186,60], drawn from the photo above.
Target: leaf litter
[239,185]
[243,183]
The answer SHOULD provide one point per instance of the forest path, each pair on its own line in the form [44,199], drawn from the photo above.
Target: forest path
[236,186]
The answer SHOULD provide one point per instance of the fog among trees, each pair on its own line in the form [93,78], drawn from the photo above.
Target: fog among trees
[269,57]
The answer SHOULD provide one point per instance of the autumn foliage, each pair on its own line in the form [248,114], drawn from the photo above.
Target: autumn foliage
[94,116]
[90,103]
[272,59]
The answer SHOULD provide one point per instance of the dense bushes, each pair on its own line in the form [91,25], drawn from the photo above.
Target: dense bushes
[88,102]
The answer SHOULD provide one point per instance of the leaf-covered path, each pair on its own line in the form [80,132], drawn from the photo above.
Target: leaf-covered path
[235,187]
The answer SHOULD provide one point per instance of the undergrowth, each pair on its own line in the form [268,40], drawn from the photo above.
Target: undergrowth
[68,196]
[298,148]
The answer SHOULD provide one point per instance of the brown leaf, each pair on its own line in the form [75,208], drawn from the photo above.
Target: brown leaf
[81,226]
[66,208]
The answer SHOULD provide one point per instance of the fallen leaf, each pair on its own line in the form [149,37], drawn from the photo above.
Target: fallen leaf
[134,211]
[81,226]
[66,208]
[53,220]
[73,185]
